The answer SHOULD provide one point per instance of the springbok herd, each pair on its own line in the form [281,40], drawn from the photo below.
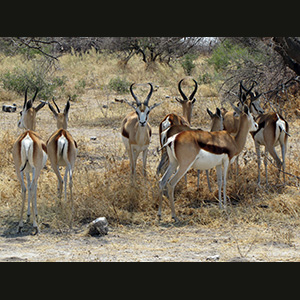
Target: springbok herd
[182,147]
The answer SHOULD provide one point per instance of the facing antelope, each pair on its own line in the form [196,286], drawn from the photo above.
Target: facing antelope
[204,150]
[30,156]
[62,150]
[136,131]
[173,119]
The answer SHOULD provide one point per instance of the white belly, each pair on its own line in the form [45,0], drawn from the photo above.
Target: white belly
[206,160]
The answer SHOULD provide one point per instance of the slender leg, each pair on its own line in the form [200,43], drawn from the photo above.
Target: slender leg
[65,182]
[207,178]
[162,183]
[34,206]
[29,196]
[59,180]
[145,152]
[283,149]
[219,180]
[225,164]
[266,166]
[32,193]
[171,198]
[70,187]
[182,170]
[257,147]
[273,153]
[237,166]
[23,202]
[133,159]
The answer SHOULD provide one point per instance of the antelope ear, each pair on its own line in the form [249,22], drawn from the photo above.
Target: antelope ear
[41,105]
[218,112]
[236,109]
[246,109]
[154,105]
[210,112]
[179,100]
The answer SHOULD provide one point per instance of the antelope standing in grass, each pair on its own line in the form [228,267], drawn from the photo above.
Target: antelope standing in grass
[204,150]
[30,156]
[273,130]
[136,131]
[62,150]
[172,119]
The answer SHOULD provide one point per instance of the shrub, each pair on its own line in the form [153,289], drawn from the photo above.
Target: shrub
[187,63]
[205,78]
[119,85]
[19,80]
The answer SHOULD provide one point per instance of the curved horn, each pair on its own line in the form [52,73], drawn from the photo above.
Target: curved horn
[25,97]
[195,90]
[252,86]
[58,110]
[149,95]
[242,96]
[242,87]
[138,102]
[36,91]
[180,90]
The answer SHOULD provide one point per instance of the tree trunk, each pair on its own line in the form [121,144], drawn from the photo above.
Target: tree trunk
[289,49]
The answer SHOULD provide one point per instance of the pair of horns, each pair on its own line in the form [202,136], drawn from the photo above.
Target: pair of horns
[138,102]
[32,100]
[254,95]
[185,98]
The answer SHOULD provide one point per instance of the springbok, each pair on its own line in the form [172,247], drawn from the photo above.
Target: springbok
[62,150]
[136,131]
[273,130]
[187,104]
[172,119]
[204,150]
[30,156]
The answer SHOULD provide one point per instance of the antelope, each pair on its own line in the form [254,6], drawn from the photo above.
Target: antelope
[187,104]
[231,121]
[203,150]
[136,131]
[172,119]
[216,119]
[273,130]
[62,150]
[30,156]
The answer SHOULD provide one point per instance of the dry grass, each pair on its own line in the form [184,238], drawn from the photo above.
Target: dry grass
[102,185]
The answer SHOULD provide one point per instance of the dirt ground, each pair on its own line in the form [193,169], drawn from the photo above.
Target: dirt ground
[161,243]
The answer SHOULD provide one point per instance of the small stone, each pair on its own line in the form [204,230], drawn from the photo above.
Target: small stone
[98,227]
[213,258]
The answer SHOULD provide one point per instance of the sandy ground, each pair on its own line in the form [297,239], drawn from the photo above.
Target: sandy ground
[161,243]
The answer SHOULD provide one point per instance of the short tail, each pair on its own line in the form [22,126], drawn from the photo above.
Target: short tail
[23,168]
[281,125]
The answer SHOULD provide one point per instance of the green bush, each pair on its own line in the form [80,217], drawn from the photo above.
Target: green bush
[19,80]
[119,85]
[228,55]
[187,63]
[205,78]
